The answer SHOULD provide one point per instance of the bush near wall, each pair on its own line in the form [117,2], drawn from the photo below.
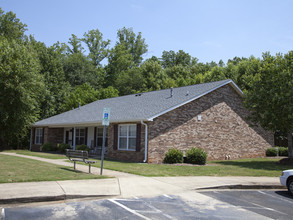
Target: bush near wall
[62,147]
[48,147]
[82,147]
[173,156]
[283,151]
[272,152]
[196,156]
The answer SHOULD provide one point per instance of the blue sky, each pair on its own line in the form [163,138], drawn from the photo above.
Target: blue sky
[208,29]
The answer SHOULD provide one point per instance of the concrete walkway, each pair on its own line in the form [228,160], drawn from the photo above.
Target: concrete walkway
[123,185]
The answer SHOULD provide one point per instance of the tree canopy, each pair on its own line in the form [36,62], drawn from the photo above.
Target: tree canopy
[39,81]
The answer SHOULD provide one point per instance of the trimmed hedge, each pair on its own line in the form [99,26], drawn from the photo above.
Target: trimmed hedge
[82,147]
[48,147]
[272,152]
[283,151]
[173,156]
[62,147]
[196,156]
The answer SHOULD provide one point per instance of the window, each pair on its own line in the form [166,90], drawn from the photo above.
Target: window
[100,131]
[39,136]
[127,137]
[79,136]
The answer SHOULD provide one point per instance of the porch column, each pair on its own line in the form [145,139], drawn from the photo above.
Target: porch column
[74,135]
[31,139]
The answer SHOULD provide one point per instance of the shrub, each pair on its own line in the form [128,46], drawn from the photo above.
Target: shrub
[196,156]
[271,152]
[62,147]
[173,156]
[48,147]
[82,147]
[283,151]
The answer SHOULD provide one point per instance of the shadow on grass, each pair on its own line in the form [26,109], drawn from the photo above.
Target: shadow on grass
[263,165]
[71,170]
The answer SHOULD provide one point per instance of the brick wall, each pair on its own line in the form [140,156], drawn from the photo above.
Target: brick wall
[52,135]
[123,155]
[223,129]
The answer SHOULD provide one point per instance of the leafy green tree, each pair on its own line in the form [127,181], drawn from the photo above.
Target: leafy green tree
[51,68]
[75,43]
[270,98]
[20,89]
[133,43]
[170,59]
[97,46]
[78,69]
[153,74]
[11,27]
[129,82]
[120,60]
[81,95]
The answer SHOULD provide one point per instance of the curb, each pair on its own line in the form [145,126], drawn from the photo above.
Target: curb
[239,186]
[50,198]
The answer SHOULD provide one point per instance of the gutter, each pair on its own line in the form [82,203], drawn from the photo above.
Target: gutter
[145,142]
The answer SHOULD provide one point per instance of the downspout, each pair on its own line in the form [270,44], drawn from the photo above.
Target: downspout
[145,142]
[31,139]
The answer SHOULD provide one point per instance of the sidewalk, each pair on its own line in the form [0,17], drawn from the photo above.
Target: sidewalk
[123,185]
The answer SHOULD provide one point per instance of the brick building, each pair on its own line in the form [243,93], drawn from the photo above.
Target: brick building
[144,126]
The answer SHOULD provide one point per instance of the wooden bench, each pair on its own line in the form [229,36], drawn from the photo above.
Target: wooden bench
[79,155]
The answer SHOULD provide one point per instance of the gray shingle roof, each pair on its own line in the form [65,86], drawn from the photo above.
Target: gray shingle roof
[133,108]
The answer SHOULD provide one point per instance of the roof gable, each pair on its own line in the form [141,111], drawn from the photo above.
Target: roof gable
[130,108]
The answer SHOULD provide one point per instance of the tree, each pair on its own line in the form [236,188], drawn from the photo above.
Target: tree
[97,46]
[170,59]
[75,43]
[51,69]
[11,27]
[21,87]
[270,98]
[134,44]
[81,95]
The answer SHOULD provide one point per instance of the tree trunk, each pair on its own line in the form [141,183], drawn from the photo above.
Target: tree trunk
[290,144]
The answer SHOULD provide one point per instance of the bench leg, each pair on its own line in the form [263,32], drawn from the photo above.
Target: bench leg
[74,165]
[89,168]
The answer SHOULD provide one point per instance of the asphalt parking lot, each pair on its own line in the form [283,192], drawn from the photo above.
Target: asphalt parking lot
[272,204]
[204,205]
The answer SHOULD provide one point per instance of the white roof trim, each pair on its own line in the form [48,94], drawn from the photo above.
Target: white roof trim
[237,89]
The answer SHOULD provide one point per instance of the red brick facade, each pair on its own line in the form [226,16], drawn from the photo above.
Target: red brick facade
[222,131]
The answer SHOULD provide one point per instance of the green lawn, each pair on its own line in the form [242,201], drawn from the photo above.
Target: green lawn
[17,169]
[38,154]
[243,167]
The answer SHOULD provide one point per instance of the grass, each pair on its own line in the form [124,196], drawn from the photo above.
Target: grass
[38,154]
[243,167]
[17,169]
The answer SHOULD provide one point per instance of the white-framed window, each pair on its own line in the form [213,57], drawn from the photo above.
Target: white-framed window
[39,136]
[100,131]
[79,136]
[127,137]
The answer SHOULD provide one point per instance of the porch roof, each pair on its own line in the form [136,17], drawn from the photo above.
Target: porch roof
[134,108]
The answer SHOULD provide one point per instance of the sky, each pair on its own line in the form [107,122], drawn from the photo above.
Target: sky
[209,30]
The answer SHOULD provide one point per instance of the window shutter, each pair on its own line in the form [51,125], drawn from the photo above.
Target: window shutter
[95,137]
[34,135]
[138,133]
[85,138]
[115,137]
[43,135]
